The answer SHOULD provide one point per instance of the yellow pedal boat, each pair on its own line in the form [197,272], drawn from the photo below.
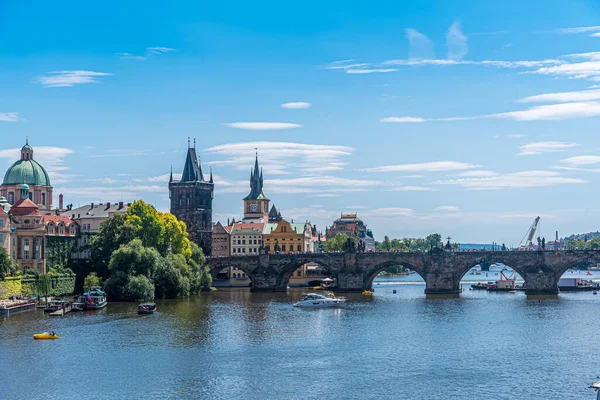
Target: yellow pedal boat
[367,293]
[45,336]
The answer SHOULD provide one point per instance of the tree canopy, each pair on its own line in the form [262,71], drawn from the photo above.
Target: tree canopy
[413,244]
[5,263]
[341,242]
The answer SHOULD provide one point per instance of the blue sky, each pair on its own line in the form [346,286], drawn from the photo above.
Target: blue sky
[464,118]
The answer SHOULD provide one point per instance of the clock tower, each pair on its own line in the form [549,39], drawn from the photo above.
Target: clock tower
[256,204]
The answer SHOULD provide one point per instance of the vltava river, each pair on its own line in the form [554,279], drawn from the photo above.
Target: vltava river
[236,344]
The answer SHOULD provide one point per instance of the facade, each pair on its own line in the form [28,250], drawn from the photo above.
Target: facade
[88,219]
[191,201]
[5,233]
[30,172]
[256,204]
[274,215]
[286,237]
[221,240]
[351,225]
[246,238]
[28,242]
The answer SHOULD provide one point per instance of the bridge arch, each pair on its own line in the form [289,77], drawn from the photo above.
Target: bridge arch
[216,265]
[292,266]
[373,271]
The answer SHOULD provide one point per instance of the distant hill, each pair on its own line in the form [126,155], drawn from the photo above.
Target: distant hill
[584,236]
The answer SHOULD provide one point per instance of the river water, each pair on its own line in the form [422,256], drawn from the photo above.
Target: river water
[235,344]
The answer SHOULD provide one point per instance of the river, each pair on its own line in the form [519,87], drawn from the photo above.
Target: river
[235,344]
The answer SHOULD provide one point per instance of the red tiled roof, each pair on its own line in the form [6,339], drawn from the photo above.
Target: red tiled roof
[57,219]
[249,226]
[25,203]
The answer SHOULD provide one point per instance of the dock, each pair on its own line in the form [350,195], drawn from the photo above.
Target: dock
[61,312]
[8,307]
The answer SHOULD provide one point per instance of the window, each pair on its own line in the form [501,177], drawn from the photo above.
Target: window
[11,198]
[244,241]
[43,199]
[299,273]
[283,248]
[243,250]
[254,241]
[72,230]
[1,222]
[26,249]
[299,248]
[30,196]
[239,241]
[1,237]
[51,228]
[61,229]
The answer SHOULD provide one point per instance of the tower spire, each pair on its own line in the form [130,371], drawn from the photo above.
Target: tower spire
[211,177]
[171,177]
[188,142]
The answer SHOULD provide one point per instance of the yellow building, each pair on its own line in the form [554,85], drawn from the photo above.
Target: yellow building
[286,237]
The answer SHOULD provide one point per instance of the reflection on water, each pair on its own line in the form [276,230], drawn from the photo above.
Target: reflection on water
[237,344]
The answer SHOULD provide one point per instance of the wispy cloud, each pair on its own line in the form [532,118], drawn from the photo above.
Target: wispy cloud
[435,166]
[456,42]
[447,209]
[9,117]
[281,157]
[70,78]
[150,51]
[478,174]
[371,71]
[523,179]
[296,105]
[420,45]
[121,153]
[563,97]
[578,29]
[489,33]
[389,212]
[581,160]
[411,189]
[545,112]
[536,148]
[262,126]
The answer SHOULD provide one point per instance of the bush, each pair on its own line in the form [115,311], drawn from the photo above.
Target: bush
[140,288]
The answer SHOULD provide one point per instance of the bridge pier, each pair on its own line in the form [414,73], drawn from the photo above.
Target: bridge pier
[438,283]
[538,283]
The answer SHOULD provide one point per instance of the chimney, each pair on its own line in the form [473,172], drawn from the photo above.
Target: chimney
[107,205]
[92,206]
[557,236]
[120,205]
[60,201]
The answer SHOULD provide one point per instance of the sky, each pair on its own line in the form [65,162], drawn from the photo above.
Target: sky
[464,118]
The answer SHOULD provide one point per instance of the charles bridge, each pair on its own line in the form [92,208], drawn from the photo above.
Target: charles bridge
[441,270]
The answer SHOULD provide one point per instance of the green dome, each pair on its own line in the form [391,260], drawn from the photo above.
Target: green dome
[27,147]
[26,171]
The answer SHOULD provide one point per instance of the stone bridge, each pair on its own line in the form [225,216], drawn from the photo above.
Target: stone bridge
[441,270]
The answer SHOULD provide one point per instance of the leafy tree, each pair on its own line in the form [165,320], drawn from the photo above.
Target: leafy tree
[148,223]
[175,236]
[433,240]
[171,279]
[595,243]
[6,264]
[577,244]
[114,232]
[386,245]
[91,281]
[140,288]
[336,243]
[43,285]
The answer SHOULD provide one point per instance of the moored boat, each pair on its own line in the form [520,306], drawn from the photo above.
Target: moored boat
[146,308]
[577,285]
[94,299]
[314,300]
[56,305]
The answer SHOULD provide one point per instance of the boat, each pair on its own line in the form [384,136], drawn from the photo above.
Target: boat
[368,292]
[327,283]
[504,284]
[45,336]
[94,299]
[577,285]
[481,285]
[55,305]
[146,308]
[315,300]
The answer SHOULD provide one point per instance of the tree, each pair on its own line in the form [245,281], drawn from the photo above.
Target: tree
[386,245]
[43,285]
[140,288]
[171,277]
[503,247]
[577,244]
[5,263]
[433,240]
[351,245]
[175,236]
[114,232]
[91,281]
[146,219]
[336,243]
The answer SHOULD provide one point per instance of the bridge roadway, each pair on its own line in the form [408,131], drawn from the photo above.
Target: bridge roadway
[441,270]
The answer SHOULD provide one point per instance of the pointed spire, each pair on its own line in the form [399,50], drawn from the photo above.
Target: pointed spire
[27,140]
[211,177]
[194,142]
[171,177]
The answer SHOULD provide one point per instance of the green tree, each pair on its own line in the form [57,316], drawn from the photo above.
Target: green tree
[433,240]
[386,245]
[114,232]
[91,281]
[577,244]
[336,243]
[171,279]
[140,288]
[175,236]
[146,219]
[6,264]
[43,285]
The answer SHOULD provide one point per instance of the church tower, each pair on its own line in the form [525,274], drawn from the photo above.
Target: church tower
[256,204]
[191,200]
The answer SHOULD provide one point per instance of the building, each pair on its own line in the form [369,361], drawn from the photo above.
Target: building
[221,240]
[28,243]
[30,172]
[62,234]
[88,219]
[286,237]
[246,238]
[256,204]
[274,215]
[351,225]
[5,233]
[191,200]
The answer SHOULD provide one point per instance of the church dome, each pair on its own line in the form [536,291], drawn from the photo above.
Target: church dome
[26,171]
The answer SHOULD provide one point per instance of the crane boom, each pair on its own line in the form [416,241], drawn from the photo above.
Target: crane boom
[533,229]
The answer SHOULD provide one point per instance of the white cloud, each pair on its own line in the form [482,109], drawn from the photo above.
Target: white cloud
[150,51]
[597,34]
[579,29]
[411,189]
[280,157]
[370,71]
[456,42]
[70,78]
[345,65]
[478,174]
[52,158]
[523,179]
[563,97]
[121,153]
[447,209]
[164,178]
[403,119]
[487,63]
[9,117]
[582,160]
[129,56]
[296,105]
[536,148]
[435,166]
[538,113]
[262,126]
[420,46]
[159,50]
[389,212]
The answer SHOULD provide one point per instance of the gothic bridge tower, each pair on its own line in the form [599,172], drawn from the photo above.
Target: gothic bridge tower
[191,200]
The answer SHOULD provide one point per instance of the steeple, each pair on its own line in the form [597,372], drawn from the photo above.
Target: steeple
[27,150]
[171,177]
[211,177]
[192,171]
[256,182]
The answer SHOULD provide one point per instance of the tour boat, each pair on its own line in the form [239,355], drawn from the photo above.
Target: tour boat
[146,308]
[315,300]
[94,299]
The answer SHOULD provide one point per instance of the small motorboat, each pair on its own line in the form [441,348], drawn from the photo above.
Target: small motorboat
[45,336]
[327,283]
[146,308]
[314,300]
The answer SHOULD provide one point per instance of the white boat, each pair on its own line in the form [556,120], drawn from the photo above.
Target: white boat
[94,299]
[315,300]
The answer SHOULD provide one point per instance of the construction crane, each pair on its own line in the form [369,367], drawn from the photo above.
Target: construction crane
[530,233]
